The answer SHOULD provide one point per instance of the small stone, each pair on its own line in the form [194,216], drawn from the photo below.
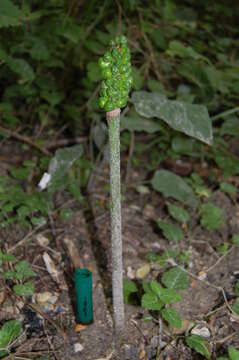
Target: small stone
[2,297]
[78,347]
[42,240]
[149,212]
[202,331]
[45,297]
[130,273]
[142,189]
[143,271]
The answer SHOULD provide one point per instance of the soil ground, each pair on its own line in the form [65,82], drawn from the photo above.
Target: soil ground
[49,326]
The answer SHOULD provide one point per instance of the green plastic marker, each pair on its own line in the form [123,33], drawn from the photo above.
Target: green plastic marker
[83,289]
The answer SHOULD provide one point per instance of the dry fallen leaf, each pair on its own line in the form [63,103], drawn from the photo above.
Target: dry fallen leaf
[56,275]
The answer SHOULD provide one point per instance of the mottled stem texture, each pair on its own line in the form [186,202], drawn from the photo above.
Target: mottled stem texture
[113,119]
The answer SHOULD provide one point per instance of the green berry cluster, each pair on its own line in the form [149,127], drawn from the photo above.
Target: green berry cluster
[117,75]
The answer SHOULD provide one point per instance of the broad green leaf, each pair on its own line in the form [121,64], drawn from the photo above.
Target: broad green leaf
[26,289]
[178,213]
[235,239]
[151,302]
[211,216]
[138,123]
[190,119]
[175,278]
[233,353]
[10,15]
[198,344]
[60,164]
[174,186]
[147,288]
[185,146]
[228,188]
[22,68]
[9,332]
[172,317]
[129,287]
[171,232]
[20,173]
[235,307]
[176,48]
[23,270]
[66,213]
[228,164]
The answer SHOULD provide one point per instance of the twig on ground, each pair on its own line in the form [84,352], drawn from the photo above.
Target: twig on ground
[218,288]
[37,309]
[160,325]
[25,140]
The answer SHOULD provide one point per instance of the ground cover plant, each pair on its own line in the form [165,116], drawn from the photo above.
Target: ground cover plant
[179,190]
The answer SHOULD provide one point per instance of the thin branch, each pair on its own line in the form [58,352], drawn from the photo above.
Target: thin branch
[24,139]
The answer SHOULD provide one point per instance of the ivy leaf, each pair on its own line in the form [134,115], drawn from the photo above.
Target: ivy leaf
[23,270]
[198,344]
[172,317]
[8,333]
[151,302]
[175,278]
[26,289]
[171,185]
[171,232]
[178,213]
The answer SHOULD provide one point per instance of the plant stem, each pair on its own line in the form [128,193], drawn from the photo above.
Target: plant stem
[113,119]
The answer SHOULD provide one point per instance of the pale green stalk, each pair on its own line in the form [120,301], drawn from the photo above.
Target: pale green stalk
[113,119]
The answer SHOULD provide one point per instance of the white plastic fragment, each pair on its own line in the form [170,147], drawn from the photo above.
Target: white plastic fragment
[44,181]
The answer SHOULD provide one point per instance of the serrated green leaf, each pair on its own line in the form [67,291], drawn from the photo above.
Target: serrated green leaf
[156,287]
[9,332]
[169,296]
[174,186]
[5,257]
[151,302]
[211,216]
[233,353]
[190,119]
[23,270]
[171,232]
[172,317]
[175,278]
[26,289]
[198,344]
[178,213]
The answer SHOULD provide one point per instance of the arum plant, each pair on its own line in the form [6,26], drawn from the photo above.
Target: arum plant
[115,87]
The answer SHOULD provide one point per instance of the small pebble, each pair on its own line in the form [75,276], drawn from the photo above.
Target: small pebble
[78,347]
[201,331]
[143,271]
